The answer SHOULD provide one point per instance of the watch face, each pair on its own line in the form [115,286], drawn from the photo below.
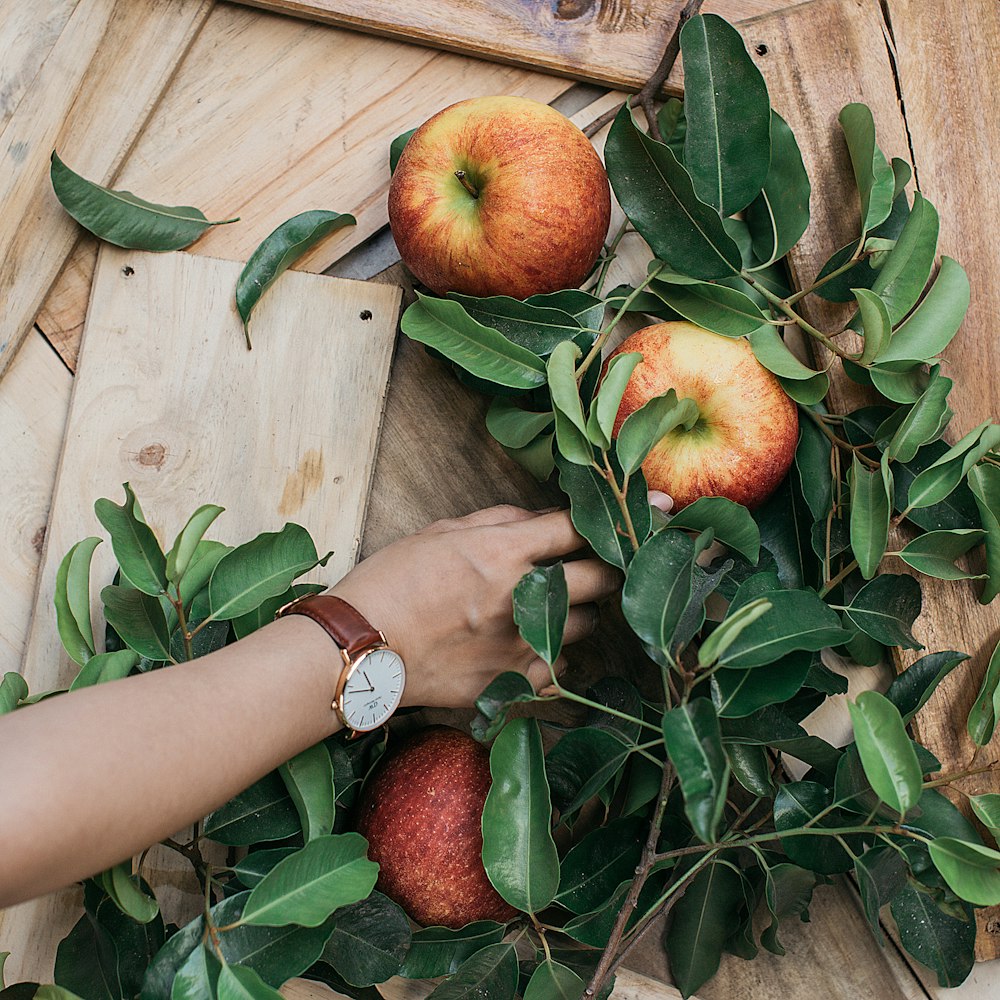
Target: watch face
[373,690]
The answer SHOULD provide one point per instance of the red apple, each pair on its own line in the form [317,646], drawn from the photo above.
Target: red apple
[744,442]
[499,196]
[422,816]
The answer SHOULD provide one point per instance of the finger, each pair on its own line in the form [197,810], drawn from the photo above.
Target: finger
[581,622]
[504,513]
[549,535]
[591,580]
[540,676]
[665,502]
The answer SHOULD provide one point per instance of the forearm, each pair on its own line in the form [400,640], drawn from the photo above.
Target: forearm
[90,778]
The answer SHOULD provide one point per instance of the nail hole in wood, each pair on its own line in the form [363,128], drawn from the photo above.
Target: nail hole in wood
[128,270]
[366,314]
[761,49]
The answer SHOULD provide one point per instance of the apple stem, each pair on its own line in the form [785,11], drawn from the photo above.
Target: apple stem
[466,183]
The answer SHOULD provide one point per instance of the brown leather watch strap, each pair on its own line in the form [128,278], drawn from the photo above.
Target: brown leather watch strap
[348,628]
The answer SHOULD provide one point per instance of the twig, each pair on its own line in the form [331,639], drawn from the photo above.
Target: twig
[650,90]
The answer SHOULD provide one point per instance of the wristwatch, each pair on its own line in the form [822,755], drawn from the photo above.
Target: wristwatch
[371,682]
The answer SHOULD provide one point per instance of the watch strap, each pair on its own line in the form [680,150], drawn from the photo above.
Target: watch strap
[348,628]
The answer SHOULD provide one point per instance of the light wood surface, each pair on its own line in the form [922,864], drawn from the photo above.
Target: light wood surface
[613,42]
[90,98]
[168,398]
[302,119]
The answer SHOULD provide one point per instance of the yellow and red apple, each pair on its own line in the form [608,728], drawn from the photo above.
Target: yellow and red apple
[744,441]
[499,196]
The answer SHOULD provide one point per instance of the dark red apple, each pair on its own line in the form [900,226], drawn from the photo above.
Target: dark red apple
[422,816]
[499,196]
[744,441]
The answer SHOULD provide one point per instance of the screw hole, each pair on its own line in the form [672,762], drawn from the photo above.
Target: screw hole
[128,270]
[761,49]
[365,314]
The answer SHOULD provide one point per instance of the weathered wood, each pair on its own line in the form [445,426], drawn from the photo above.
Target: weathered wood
[301,119]
[169,399]
[613,42]
[89,100]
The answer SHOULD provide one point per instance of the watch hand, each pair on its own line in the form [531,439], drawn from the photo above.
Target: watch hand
[371,687]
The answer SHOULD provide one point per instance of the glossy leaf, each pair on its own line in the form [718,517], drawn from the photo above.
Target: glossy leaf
[941,941]
[541,604]
[972,871]
[876,324]
[797,804]
[645,427]
[186,544]
[207,555]
[488,974]
[138,618]
[264,613]
[536,458]
[260,813]
[788,892]
[592,869]
[554,981]
[127,894]
[308,776]
[729,630]
[694,744]
[871,507]
[261,568]
[812,465]
[518,851]
[772,352]
[537,328]
[604,409]
[484,352]
[506,689]
[594,929]
[198,977]
[396,148]
[237,982]
[904,386]
[779,215]
[439,951]
[582,763]
[888,758]
[881,874]
[122,218]
[984,482]
[940,478]
[985,711]
[72,601]
[13,689]
[934,553]
[718,308]
[135,546]
[278,251]
[910,690]
[738,693]
[252,868]
[886,609]
[872,173]
[586,309]
[514,427]
[305,888]
[370,939]
[923,422]
[727,143]
[731,523]
[571,425]
[657,195]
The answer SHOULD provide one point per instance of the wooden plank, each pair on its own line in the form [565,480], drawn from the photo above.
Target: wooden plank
[612,42]
[169,399]
[34,399]
[107,49]
[278,131]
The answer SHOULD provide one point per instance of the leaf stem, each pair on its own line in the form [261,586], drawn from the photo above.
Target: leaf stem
[839,442]
[842,575]
[621,499]
[182,623]
[609,256]
[597,706]
[856,258]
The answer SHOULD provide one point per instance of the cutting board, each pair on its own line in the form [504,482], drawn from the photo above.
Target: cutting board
[106,49]
[168,398]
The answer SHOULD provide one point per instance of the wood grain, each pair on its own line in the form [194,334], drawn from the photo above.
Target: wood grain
[612,42]
[302,119]
[107,49]
[169,398]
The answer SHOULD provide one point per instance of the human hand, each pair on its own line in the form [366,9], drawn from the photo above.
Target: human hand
[443,598]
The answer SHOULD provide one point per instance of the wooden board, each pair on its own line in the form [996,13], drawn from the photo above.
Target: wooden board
[301,119]
[107,49]
[612,42]
[169,399]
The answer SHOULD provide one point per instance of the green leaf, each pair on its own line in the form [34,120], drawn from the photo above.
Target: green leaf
[731,522]
[536,458]
[796,805]
[252,869]
[260,813]
[594,868]
[306,887]
[586,309]
[886,609]
[881,875]
[872,174]
[971,870]
[308,776]
[727,145]
[541,604]
[788,892]
[808,391]
[812,464]
[396,148]
[127,894]
[439,951]
[779,215]
[987,809]
[719,308]
[738,693]
[51,992]
[484,352]
[72,601]
[694,744]
[773,353]
[198,977]
[514,427]
[278,251]
[728,630]
[13,689]
[910,690]
[657,194]
[886,752]
[604,409]
[506,689]
[187,542]
[105,667]
[923,422]
[237,982]
[871,507]
[985,709]
[488,974]
[135,546]
[594,929]
[264,614]
[370,939]
[207,555]
[984,482]
[261,568]
[518,851]
[537,328]
[876,324]
[595,512]
[121,218]
[940,478]
[702,920]
[582,763]
[553,981]
[571,425]
[941,941]
[647,426]
[138,618]
[934,553]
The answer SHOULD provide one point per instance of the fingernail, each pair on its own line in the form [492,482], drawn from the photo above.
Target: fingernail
[661,500]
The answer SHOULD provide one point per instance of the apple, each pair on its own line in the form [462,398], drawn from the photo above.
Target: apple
[499,196]
[422,815]
[744,442]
